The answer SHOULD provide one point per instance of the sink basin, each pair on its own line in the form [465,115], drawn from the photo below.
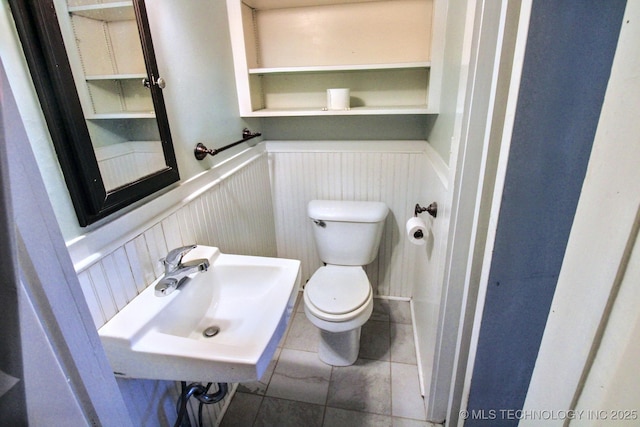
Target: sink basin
[244,301]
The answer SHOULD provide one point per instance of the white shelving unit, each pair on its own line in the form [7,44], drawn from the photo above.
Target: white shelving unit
[110,61]
[288,53]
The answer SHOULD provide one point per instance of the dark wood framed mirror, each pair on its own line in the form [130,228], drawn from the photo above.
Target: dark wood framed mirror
[95,72]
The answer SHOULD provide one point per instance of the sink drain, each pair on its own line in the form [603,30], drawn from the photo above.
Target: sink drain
[211,331]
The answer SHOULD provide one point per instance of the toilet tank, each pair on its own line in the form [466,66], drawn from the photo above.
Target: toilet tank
[347,232]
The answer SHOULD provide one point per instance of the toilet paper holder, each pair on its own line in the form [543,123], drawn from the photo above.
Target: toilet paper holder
[432,209]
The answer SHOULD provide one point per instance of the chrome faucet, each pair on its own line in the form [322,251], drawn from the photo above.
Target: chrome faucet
[175,271]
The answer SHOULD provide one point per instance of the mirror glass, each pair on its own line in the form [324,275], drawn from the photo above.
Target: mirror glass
[106,57]
[95,73]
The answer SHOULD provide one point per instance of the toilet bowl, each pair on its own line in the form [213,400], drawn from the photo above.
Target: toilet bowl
[338,298]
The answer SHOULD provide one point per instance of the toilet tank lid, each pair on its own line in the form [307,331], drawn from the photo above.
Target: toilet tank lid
[347,210]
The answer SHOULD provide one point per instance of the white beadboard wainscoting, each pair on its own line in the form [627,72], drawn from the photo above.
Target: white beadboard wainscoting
[394,172]
[256,204]
[399,173]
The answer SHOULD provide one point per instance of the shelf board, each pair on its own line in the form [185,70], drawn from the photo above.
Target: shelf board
[122,115]
[118,11]
[338,68]
[357,111]
[283,4]
[116,77]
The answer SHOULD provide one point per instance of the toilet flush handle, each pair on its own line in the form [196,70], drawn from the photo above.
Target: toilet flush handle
[320,223]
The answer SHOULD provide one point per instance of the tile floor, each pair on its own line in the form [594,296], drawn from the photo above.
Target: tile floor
[380,389]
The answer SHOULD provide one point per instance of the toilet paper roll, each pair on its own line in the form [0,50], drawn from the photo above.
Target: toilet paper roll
[416,230]
[338,99]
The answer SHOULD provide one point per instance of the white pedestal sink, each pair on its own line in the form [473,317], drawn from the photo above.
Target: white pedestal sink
[249,299]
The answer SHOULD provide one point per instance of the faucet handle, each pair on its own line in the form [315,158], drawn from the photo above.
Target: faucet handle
[174,257]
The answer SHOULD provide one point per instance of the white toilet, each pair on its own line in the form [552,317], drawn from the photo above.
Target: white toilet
[338,298]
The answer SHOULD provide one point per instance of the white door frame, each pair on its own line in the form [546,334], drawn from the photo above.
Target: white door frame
[478,163]
[575,326]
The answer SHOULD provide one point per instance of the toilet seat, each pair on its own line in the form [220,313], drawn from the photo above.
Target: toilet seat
[338,293]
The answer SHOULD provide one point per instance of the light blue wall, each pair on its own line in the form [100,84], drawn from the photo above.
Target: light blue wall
[193,49]
[29,107]
[347,127]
